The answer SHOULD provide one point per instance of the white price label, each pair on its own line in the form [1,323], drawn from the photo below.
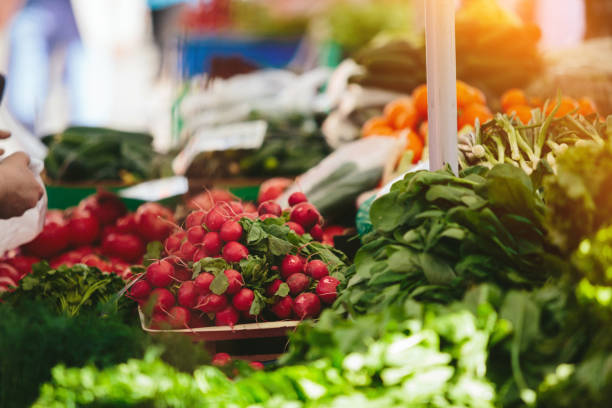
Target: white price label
[245,135]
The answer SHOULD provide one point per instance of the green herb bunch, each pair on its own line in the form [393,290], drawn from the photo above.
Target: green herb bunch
[89,153]
[534,147]
[69,289]
[411,355]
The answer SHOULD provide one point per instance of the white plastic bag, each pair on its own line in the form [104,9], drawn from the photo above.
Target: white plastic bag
[21,230]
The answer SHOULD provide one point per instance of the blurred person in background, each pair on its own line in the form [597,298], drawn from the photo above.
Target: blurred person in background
[165,19]
[40,31]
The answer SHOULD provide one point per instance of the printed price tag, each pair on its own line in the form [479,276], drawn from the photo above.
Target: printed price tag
[245,135]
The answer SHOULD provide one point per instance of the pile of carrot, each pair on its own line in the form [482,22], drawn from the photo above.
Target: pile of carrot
[516,102]
[407,116]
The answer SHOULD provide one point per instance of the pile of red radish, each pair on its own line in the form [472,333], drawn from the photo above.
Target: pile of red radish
[98,232]
[294,285]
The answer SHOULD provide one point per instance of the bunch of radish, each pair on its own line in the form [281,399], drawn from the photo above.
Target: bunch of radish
[228,266]
[99,232]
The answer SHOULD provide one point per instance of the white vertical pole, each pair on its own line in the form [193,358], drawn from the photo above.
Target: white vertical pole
[441,83]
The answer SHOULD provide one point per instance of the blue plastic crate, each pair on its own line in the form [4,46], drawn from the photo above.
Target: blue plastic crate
[196,53]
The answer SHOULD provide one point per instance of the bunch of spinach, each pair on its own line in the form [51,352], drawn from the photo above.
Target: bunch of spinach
[435,234]
[91,154]
[69,290]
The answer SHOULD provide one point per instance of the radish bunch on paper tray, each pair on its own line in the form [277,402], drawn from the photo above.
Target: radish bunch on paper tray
[227,266]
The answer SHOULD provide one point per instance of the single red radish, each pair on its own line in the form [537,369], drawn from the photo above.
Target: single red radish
[54,238]
[231,230]
[125,246]
[173,243]
[256,365]
[307,305]
[243,300]
[235,281]
[187,251]
[298,282]
[163,298]
[270,207]
[221,359]
[283,309]
[316,269]
[195,219]
[195,235]
[84,227]
[210,303]
[179,317]
[305,214]
[216,218]
[272,189]
[10,272]
[235,252]
[291,264]
[202,283]
[273,287]
[160,274]
[227,317]
[212,243]
[155,222]
[295,227]
[316,233]
[200,253]
[127,224]
[296,198]
[327,289]
[187,294]
[105,206]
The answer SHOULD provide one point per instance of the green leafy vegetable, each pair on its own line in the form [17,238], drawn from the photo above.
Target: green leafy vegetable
[434,234]
[70,290]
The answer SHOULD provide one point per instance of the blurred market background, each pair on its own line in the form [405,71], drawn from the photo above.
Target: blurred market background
[176,69]
[227,146]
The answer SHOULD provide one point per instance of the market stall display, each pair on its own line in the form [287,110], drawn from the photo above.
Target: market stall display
[480,273]
[227,266]
[80,154]
[99,232]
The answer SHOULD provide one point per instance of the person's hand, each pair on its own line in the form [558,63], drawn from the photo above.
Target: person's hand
[3,135]
[19,189]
